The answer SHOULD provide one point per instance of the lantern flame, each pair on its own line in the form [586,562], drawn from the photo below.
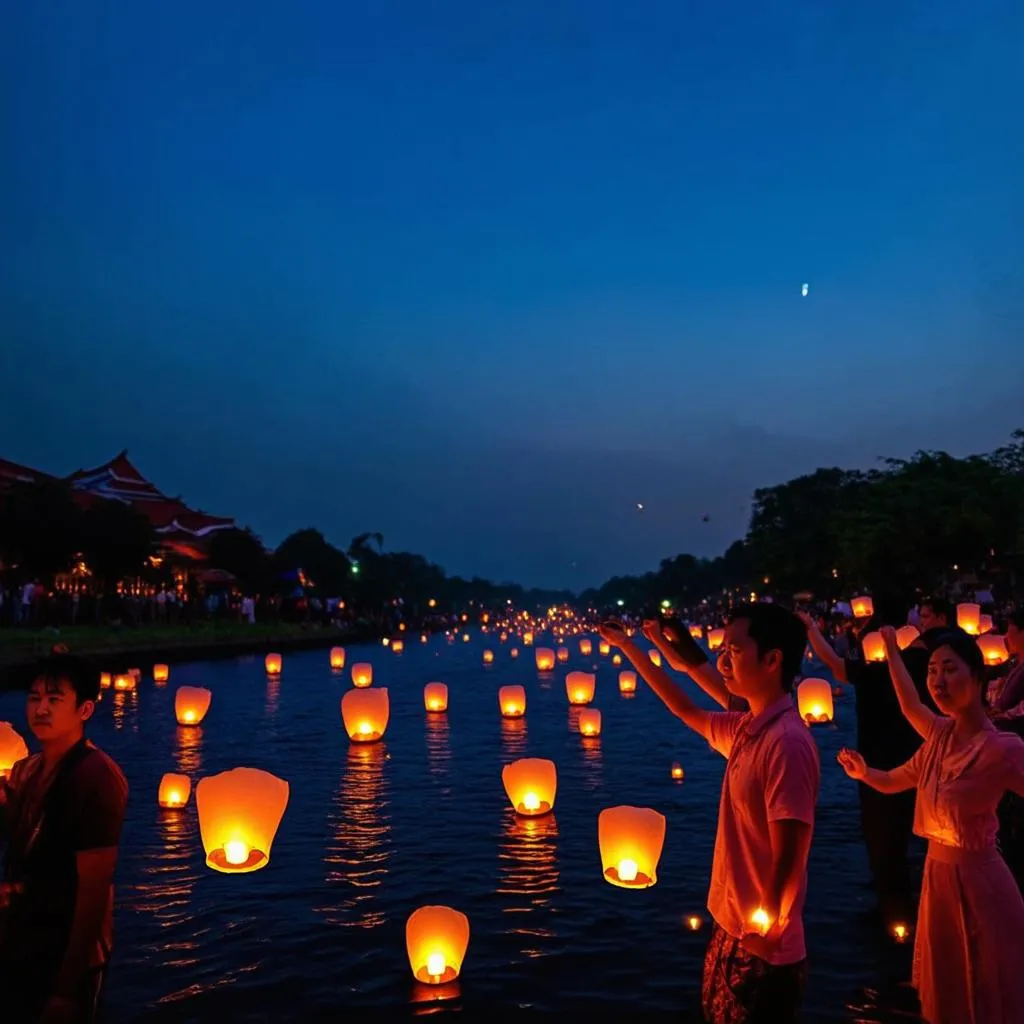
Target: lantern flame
[628,870]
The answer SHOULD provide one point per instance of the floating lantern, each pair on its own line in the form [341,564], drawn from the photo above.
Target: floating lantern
[586,648]
[906,635]
[488,657]
[527,639]
[365,713]
[562,654]
[105,680]
[161,673]
[12,748]
[465,638]
[900,932]
[174,791]
[677,771]
[580,687]
[272,663]
[631,839]
[716,637]
[423,638]
[337,658]
[435,697]
[545,659]
[814,697]
[362,674]
[386,641]
[239,814]
[191,704]
[696,632]
[694,923]
[590,722]
[655,657]
[398,646]
[123,681]
[873,646]
[604,649]
[627,682]
[993,649]
[530,784]
[862,607]
[436,939]
[616,659]
[985,624]
[512,701]
[514,652]
[968,617]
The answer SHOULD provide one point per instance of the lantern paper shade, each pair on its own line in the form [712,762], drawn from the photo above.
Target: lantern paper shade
[590,722]
[631,839]
[398,646]
[655,657]
[512,701]
[362,674]
[985,624]
[105,680]
[814,696]
[716,637]
[604,649]
[968,617]
[616,659]
[191,704]
[906,635]
[12,748]
[586,648]
[513,652]
[488,657]
[365,713]
[627,682]
[873,646]
[530,784]
[174,791]
[580,687]
[562,654]
[135,673]
[272,663]
[337,658]
[677,771]
[435,697]
[436,939]
[862,607]
[239,814]
[124,681]
[696,632]
[993,649]
[527,639]
[161,673]
[545,658]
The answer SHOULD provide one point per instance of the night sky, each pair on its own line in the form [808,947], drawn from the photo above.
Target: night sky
[481,276]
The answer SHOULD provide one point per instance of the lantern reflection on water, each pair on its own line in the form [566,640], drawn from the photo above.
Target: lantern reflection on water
[814,698]
[436,939]
[531,783]
[544,658]
[239,814]
[435,697]
[630,840]
[512,701]
[590,722]
[362,674]
[365,713]
[337,658]
[191,703]
[627,682]
[174,791]
[272,663]
[579,686]
[12,748]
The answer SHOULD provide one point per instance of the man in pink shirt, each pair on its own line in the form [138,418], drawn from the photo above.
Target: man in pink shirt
[755,966]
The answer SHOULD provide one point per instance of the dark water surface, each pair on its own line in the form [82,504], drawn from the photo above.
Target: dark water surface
[372,833]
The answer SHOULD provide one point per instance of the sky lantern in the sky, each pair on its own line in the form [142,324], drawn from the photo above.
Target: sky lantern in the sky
[531,783]
[272,663]
[862,607]
[435,697]
[337,658]
[545,659]
[191,703]
[627,682]
[436,939]
[814,697]
[362,674]
[365,713]
[512,701]
[630,840]
[579,687]
[12,748]
[174,791]
[239,814]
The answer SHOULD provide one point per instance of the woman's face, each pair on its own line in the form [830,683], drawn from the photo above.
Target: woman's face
[950,682]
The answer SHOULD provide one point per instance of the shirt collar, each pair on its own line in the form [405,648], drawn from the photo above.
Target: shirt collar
[757,723]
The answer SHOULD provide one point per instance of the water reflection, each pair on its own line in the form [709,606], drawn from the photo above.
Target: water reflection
[273,691]
[439,752]
[513,736]
[359,847]
[528,875]
[124,704]
[188,750]
[592,762]
[430,999]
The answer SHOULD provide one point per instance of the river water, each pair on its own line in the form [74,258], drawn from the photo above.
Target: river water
[371,833]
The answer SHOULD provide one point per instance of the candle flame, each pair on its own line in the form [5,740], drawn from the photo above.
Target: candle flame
[236,852]
[628,870]
[531,802]
[761,919]
[435,965]
[693,923]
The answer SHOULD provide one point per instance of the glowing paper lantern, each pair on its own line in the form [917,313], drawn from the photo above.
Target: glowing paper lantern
[873,646]
[616,659]
[362,674]
[161,673]
[436,939]
[586,648]
[604,649]
[123,681]
[590,722]
[545,659]
[985,624]
[12,748]
[527,639]
[174,791]
[239,814]
[562,654]
[906,635]
[579,686]
[488,657]
[191,704]
[631,839]
[105,680]
[627,682]
[655,657]
[365,713]
[272,663]
[512,701]
[398,646]
[530,784]
[435,697]
[677,771]
[862,607]
[993,649]
[968,617]
[696,632]
[716,637]
[694,923]
[814,697]
[337,658]
[514,652]
[900,932]
[465,638]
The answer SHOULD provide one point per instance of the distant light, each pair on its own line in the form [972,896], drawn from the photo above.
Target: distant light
[639,506]
[666,603]
[620,602]
[804,289]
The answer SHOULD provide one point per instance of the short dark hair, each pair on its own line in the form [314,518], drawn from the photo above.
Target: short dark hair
[774,628]
[965,647]
[79,673]
[939,606]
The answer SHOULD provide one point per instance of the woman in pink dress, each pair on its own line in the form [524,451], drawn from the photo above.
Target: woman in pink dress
[969,949]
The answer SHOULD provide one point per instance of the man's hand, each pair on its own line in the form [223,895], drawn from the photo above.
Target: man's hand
[852,763]
[652,631]
[612,633]
[764,929]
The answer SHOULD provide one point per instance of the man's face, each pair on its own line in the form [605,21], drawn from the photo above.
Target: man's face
[53,710]
[929,620]
[744,671]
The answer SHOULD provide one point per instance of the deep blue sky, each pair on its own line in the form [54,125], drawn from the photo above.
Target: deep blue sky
[481,276]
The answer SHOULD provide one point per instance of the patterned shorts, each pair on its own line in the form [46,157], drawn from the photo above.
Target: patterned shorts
[740,988]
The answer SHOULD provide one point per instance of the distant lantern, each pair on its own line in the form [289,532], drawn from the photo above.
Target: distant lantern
[337,658]
[677,771]
[191,704]
[968,617]
[993,649]
[12,748]
[123,681]
[365,714]
[696,632]
[586,648]
[432,603]
[105,680]
[985,624]
[174,791]
[531,783]
[362,674]
[655,657]
[814,696]
[562,654]
[590,722]
[423,638]
[604,649]
[528,639]
[512,701]
[397,646]
[906,635]
[436,939]
[862,607]
[630,839]
[545,659]
[627,682]
[694,923]
[161,673]
[616,659]
[272,663]
[465,638]
[435,697]
[513,652]
[579,686]
[239,814]
[488,657]
[873,646]
[716,637]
